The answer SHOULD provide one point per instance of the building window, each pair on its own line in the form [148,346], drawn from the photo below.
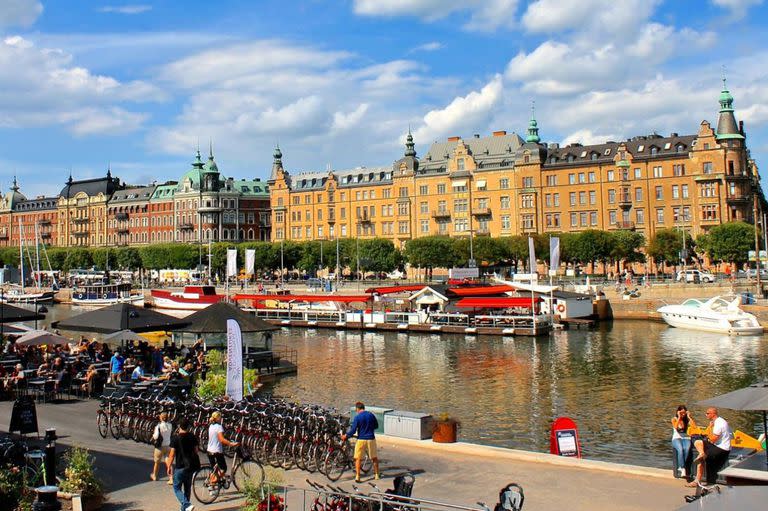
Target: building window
[592,197]
[709,190]
[583,217]
[505,202]
[678,170]
[582,178]
[556,199]
[593,218]
[707,167]
[612,217]
[660,216]
[424,190]
[571,179]
[582,198]
[548,200]
[574,219]
[424,208]
[387,193]
[638,173]
[611,196]
[403,191]
[675,192]
[460,205]
[684,190]
[504,183]
[659,193]
[441,189]
[658,172]
[460,163]
[709,212]
[572,198]
[527,182]
[425,226]
[526,201]
[591,177]
[611,175]
[505,223]
[552,180]
[460,225]
[640,216]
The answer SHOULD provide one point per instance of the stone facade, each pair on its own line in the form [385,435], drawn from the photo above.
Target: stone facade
[503,185]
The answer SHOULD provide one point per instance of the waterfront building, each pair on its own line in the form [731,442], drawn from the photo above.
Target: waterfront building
[503,185]
[202,206]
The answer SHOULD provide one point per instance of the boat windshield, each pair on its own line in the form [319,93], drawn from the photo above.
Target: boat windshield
[692,302]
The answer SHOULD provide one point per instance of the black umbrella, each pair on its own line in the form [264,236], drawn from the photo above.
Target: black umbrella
[752,398]
[120,316]
[213,320]
[11,314]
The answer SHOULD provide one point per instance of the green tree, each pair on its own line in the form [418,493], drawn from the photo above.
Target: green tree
[77,258]
[379,255]
[103,258]
[729,242]
[666,244]
[591,246]
[488,251]
[127,258]
[627,246]
[9,256]
[432,252]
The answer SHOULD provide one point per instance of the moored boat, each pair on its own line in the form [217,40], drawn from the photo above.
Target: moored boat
[19,295]
[716,314]
[192,298]
[106,294]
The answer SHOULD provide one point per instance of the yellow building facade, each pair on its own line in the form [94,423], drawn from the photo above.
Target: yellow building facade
[503,185]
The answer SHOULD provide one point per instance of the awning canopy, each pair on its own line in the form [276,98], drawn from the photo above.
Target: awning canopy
[304,298]
[11,314]
[497,302]
[480,290]
[120,316]
[389,290]
[213,320]
[459,183]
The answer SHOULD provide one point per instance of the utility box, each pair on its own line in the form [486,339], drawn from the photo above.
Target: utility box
[378,411]
[413,425]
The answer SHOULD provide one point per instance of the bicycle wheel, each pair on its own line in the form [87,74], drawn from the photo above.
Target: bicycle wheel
[298,459]
[335,464]
[205,492]
[285,454]
[102,423]
[114,426]
[308,455]
[249,472]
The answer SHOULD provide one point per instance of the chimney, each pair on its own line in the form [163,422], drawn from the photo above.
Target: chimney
[454,139]
[499,133]
[741,127]
[477,135]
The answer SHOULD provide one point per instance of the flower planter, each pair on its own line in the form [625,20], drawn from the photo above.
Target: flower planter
[445,432]
[87,503]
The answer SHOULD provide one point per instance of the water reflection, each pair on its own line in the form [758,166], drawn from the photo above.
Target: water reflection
[620,382]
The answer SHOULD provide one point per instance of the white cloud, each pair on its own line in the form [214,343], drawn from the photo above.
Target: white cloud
[484,15]
[126,9]
[21,13]
[587,137]
[738,8]
[431,46]
[344,121]
[43,86]
[463,113]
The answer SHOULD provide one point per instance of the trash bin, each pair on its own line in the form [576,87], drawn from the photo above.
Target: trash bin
[413,425]
[378,411]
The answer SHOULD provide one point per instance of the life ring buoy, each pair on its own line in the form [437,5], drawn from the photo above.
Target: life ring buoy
[80,296]
[561,308]
[104,296]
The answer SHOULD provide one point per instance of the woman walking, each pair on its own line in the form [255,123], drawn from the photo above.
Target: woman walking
[161,439]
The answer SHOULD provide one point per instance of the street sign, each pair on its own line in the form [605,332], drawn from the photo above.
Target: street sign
[472,263]
[463,273]
[763,255]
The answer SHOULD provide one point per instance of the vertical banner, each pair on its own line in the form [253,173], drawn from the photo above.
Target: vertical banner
[531,257]
[232,262]
[250,261]
[554,253]
[234,361]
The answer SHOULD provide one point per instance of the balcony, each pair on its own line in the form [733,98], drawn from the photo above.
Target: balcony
[331,219]
[80,220]
[364,219]
[481,211]
[43,235]
[738,199]
[3,236]
[625,201]
[80,234]
[530,228]
[123,231]
[482,231]
[186,226]
[44,221]
[122,216]
[209,208]
[441,213]
[625,224]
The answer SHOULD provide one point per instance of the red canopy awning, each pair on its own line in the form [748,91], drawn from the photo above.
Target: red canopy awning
[395,289]
[304,298]
[480,290]
[498,302]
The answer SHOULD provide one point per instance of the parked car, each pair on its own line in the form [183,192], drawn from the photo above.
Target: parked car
[752,273]
[695,276]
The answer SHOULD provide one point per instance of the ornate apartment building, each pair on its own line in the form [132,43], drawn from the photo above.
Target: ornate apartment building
[201,206]
[504,185]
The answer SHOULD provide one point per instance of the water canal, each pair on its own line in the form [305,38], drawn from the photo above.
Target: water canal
[621,382]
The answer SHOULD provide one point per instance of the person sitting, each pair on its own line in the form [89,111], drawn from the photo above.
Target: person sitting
[43,369]
[138,373]
[714,449]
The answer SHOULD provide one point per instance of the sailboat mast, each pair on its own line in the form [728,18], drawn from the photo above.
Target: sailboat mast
[21,255]
[37,257]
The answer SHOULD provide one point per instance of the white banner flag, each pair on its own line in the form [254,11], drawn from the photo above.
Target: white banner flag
[554,253]
[250,261]
[531,257]
[234,361]
[232,262]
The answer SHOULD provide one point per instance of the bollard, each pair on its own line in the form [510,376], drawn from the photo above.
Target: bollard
[50,456]
[46,499]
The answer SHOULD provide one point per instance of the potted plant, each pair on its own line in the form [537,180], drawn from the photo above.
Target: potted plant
[80,478]
[14,494]
[445,429]
[267,496]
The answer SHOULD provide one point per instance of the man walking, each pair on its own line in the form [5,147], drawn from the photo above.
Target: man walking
[184,452]
[116,364]
[364,424]
[714,449]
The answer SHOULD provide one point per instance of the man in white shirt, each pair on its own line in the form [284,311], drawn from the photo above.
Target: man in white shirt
[714,449]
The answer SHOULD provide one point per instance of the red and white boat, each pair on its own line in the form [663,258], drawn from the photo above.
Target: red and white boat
[192,298]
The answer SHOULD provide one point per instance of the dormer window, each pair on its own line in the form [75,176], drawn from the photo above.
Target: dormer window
[553,159]
[607,151]
[640,148]
[680,148]
[460,163]
[654,150]
[593,156]
[667,145]
[583,154]
[570,158]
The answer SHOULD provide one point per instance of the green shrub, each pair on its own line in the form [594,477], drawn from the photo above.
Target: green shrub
[80,474]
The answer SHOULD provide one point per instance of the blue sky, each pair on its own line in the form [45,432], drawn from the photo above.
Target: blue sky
[136,85]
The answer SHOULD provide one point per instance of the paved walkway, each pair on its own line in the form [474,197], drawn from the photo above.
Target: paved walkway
[461,473]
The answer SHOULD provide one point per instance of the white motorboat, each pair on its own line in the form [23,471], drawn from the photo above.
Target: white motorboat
[718,314]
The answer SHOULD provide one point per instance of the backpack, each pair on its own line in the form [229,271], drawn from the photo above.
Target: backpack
[511,498]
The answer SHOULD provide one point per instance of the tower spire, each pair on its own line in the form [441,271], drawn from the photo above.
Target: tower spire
[15,186]
[533,126]
[410,147]
[210,148]
[727,128]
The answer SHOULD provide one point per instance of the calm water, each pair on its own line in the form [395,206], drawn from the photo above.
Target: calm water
[620,383]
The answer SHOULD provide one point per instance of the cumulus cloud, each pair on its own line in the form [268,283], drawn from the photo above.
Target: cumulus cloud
[431,46]
[483,15]
[463,113]
[43,86]
[19,13]
[738,8]
[344,121]
[126,9]
[587,137]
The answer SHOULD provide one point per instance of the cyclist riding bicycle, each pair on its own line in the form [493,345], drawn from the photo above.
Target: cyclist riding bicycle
[216,443]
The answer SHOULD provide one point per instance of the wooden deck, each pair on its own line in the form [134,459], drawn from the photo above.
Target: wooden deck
[403,327]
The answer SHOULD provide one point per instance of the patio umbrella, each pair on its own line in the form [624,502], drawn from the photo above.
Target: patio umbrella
[122,336]
[213,319]
[40,337]
[752,398]
[11,314]
[120,316]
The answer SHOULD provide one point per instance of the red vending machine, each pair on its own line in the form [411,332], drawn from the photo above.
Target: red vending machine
[564,438]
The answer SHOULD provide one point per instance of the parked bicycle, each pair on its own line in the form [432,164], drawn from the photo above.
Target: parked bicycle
[207,483]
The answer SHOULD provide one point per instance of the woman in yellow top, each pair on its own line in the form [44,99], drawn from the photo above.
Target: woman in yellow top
[682,422]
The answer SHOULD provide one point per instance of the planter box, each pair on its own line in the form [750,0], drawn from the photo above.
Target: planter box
[379,411]
[445,432]
[413,425]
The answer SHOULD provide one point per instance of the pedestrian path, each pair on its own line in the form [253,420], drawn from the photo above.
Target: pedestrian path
[459,473]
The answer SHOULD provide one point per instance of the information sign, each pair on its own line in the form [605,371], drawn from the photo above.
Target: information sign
[564,438]
[463,273]
[23,416]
